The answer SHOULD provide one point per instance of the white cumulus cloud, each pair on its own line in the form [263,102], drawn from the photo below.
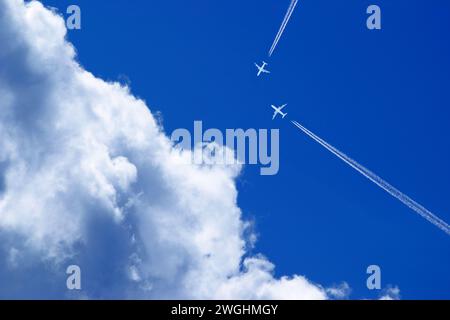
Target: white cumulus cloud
[88,177]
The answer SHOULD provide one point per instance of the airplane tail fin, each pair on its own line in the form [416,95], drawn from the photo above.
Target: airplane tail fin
[284,115]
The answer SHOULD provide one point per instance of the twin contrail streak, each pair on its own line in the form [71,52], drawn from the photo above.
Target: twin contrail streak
[380,182]
[283,25]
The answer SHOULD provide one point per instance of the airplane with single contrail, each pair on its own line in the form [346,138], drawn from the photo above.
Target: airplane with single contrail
[278,111]
[286,19]
[419,209]
[261,69]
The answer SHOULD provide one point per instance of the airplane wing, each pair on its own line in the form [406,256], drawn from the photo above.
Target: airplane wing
[274,108]
[281,108]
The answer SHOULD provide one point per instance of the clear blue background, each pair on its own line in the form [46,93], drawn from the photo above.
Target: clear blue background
[380,96]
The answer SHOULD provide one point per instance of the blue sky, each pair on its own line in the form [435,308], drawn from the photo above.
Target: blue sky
[379,96]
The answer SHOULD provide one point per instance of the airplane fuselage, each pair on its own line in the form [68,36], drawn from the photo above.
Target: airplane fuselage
[278,111]
[261,69]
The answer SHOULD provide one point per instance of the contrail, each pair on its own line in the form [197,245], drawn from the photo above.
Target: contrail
[283,25]
[441,224]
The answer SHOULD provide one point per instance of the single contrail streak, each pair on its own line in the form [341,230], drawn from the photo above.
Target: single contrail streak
[286,19]
[422,211]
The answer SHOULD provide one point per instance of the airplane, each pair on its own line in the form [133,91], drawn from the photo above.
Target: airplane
[261,68]
[278,111]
